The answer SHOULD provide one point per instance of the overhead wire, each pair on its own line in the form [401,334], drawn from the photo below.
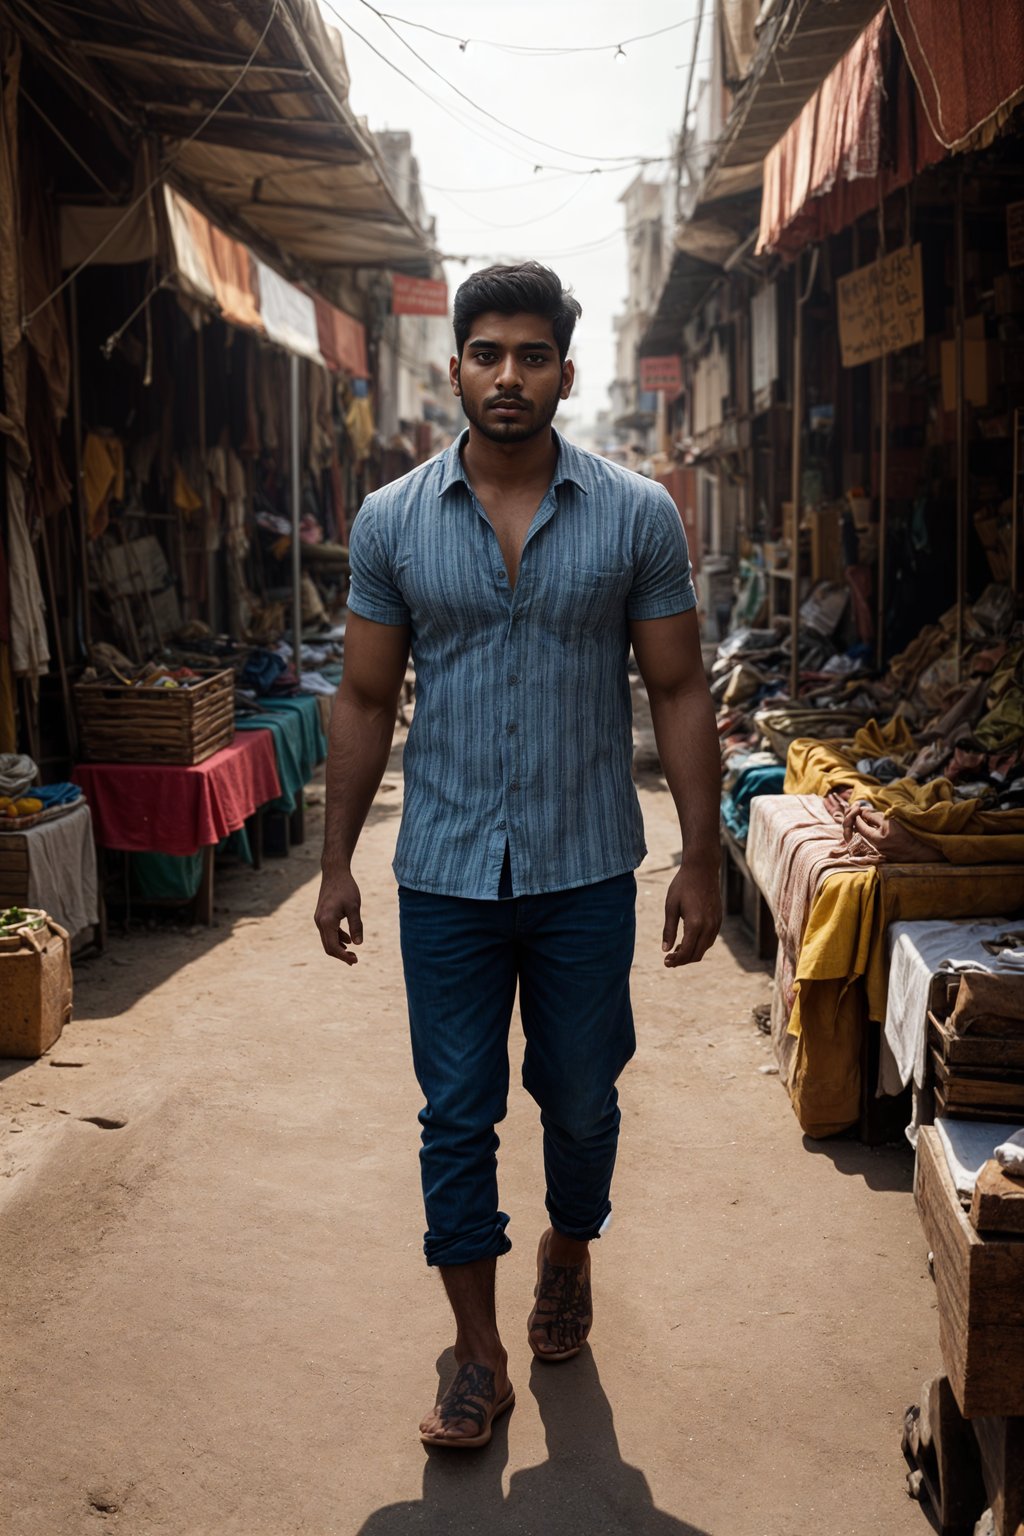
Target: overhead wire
[514,151]
[159,176]
[572,154]
[530,48]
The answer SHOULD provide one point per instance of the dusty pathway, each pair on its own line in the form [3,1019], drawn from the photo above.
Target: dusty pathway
[216,1321]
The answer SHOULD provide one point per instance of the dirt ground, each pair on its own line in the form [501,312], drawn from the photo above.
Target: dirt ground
[216,1320]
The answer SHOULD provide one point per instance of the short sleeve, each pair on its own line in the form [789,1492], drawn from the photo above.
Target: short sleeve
[372,593]
[662,583]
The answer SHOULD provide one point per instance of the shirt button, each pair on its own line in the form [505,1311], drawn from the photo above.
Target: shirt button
[501,826]
[511,728]
[513,680]
[501,575]
[514,786]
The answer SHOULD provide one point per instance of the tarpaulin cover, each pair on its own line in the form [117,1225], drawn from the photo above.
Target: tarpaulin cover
[211,264]
[342,340]
[158,808]
[223,273]
[862,135]
[113,236]
[967,58]
[288,314]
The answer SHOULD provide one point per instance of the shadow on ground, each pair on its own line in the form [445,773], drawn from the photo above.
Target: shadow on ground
[143,955]
[583,1487]
[889,1168]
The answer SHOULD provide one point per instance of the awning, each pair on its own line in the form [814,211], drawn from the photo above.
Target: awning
[223,275]
[689,280]
[279,159]
[967,59]
[288,314]
[796,48]
[861,136]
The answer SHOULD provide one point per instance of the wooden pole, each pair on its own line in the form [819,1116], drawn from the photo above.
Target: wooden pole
[85,615]
[883,502]
[795,475]
[961,431]
[204,488]
[296,498]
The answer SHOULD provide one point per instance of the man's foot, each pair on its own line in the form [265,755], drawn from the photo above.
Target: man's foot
[563,1313]
[464,1417]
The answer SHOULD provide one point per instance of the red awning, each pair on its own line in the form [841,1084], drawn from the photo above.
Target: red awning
[862,134]
[342,339]
[967,58]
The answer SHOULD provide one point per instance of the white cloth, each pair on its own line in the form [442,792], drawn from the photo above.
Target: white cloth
[1010,1154]
[969,1145]
[289,316]
[62,870]
[917,952]
[313,682]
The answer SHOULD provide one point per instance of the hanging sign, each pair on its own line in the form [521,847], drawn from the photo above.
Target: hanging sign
[661,375]
[1015,234]
[881,307]
[418,295]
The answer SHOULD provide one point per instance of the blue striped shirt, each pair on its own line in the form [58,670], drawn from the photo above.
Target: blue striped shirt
[522,733]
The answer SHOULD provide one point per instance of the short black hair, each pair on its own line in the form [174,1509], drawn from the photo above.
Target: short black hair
[528,288]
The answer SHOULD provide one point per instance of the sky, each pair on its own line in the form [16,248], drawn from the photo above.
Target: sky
[594,111]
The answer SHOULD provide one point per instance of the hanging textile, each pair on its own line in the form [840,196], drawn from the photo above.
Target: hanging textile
[967,58]
[211,265]
[287,313]
[342,340]
[30,650]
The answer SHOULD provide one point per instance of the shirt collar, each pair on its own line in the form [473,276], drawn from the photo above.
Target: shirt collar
[572,465]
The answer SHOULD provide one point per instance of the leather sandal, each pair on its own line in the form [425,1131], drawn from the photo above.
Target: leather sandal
[470,1396]
[564,1307]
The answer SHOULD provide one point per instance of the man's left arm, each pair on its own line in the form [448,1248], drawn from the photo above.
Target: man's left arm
[667,651]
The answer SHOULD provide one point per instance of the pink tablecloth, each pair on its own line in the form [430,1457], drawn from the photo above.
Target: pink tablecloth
[157,808]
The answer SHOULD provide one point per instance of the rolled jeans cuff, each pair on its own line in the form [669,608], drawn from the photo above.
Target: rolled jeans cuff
[467,1247]
[587,1232]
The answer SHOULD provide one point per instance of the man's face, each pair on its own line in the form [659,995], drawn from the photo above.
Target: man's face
[510,378]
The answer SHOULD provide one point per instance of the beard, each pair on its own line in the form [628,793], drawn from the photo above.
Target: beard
[536,417]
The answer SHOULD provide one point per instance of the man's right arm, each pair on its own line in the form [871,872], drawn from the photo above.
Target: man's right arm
[362,729]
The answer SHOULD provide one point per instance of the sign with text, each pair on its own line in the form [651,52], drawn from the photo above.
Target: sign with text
[661,375]
[881,307]
[418,296]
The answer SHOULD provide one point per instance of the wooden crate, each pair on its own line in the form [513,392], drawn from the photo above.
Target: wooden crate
[979,1283]
[156,725]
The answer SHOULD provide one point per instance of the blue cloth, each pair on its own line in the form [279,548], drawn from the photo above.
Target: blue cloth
[262,671]
[570,953]
[55,794]
[299,743]
[764,779]
[522,730]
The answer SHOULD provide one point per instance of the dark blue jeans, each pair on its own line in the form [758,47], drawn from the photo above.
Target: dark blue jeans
[570,953]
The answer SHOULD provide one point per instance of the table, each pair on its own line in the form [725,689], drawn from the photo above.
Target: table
[53,866]
[166,808]
[299,744]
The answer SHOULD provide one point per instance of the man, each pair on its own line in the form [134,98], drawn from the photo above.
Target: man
[520,569]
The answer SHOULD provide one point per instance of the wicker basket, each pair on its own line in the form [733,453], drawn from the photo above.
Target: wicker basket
[156,725]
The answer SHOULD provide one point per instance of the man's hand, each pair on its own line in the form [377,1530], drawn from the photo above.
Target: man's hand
[339,903]
[695,899]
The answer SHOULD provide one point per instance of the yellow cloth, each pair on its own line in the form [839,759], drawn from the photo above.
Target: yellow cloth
[842,969]
[185,498]
[956,829]
[359,425]
[102,478]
